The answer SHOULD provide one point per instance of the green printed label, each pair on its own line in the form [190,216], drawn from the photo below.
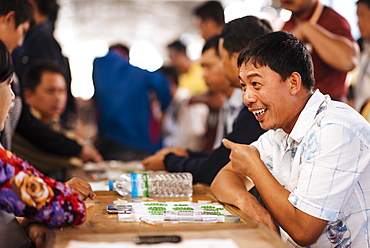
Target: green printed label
[145,185]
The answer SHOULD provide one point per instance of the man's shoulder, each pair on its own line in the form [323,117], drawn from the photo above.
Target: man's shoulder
[330,12]
[334,22]
[341,114]
[110,59]
[323,116]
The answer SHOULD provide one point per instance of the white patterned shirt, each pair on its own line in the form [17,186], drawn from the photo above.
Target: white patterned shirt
[324,163]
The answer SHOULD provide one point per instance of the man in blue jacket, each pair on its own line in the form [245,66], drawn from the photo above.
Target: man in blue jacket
[124,95]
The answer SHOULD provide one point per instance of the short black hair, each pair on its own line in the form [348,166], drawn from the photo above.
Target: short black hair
[36,70]
[367,2]
[239,32]
[177,45]
[22,8]
[50,8]
[6,64]
[283,53]
[211,43]
[211,10]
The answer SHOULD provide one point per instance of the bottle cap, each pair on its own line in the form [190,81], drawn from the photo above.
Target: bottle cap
[232,218]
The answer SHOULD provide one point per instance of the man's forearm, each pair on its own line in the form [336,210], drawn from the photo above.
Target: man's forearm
[229,188]
[338,51]
[303,228]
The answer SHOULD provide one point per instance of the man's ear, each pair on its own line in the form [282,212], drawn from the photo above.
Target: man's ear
[8,18]
[27,95]
[234,62]
[234,57]
[295,83]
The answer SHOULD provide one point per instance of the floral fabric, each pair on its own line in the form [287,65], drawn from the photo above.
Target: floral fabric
[26,192]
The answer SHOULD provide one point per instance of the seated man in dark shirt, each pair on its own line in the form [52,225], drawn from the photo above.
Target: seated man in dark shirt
[204,166]
[19,116]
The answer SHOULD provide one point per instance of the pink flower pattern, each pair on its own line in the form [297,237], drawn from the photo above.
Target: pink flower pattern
[53,203]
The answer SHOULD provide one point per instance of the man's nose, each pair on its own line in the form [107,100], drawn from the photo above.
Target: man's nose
[248,97]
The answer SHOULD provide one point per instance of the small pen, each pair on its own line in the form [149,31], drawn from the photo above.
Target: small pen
[146,221]
[157,239]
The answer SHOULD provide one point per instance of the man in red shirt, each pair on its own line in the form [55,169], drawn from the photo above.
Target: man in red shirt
[327,35]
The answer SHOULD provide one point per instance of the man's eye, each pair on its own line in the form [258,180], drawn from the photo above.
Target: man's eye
[255,84]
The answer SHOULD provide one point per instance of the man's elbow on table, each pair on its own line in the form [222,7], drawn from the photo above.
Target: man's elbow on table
[307,233]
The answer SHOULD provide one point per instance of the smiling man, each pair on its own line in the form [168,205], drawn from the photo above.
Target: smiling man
[311,167]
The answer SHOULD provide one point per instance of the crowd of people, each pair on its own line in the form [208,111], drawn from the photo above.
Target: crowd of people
[265,118]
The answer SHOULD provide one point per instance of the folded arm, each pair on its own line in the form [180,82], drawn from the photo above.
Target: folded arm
[336,50]
[230,188]
[303,228]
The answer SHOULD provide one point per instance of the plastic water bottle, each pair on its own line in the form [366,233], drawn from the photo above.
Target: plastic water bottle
[154,184]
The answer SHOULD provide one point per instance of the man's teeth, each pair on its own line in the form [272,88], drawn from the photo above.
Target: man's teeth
[259,112]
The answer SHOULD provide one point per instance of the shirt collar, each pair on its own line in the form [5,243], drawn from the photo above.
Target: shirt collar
[315,105]
[54,122]
[35,113]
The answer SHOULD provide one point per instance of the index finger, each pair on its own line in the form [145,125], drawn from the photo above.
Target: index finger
[227,143]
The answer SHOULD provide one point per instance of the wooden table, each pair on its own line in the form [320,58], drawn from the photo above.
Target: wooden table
[101,226]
